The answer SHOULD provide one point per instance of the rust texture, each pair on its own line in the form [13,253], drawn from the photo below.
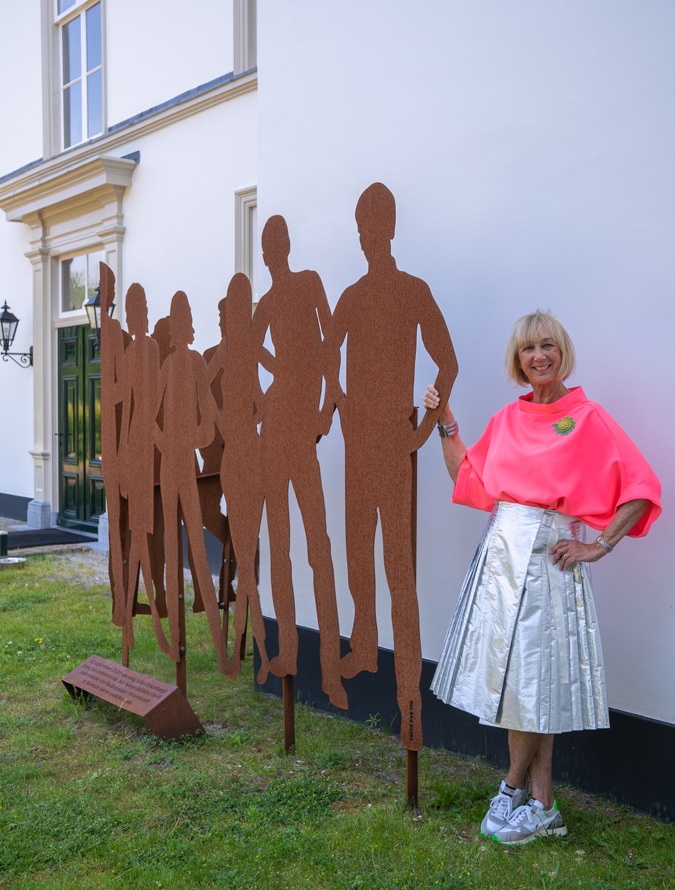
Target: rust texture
[379,317]
[181,430]
[161,705]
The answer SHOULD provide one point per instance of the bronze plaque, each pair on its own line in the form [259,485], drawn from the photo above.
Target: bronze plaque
[162,706]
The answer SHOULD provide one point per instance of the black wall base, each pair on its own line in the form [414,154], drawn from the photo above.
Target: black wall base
[632,762]
[13,507]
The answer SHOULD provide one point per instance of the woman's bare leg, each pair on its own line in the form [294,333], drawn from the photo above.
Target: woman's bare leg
[532,752]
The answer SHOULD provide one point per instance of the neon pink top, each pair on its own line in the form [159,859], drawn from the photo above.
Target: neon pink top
[569,456]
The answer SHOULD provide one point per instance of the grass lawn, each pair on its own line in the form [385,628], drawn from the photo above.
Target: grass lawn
[90,799]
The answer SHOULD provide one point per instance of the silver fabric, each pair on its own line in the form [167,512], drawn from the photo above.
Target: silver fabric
[523,649]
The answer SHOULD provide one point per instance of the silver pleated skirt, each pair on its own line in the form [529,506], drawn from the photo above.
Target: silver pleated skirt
[523,649]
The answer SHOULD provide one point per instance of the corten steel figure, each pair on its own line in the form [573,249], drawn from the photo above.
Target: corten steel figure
[189,416]
[208,482]
[379,315]
[112,360]
[141,389]
[162,337]
[296,312]
[240,472]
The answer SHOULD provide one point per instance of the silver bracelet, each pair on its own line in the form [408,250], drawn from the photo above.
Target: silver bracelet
[446,430]
[605,546]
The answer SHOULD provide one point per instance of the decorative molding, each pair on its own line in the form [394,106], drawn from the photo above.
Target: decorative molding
[66,192]
[69,206]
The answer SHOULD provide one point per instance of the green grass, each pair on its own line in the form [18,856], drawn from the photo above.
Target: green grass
[90,799]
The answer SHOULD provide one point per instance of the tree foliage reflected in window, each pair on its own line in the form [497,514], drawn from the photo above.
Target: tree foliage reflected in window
[79,279]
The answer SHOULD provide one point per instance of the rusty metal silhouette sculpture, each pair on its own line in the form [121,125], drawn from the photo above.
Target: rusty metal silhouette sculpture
[379,317]
[211,493]
[112,362]
[296,313]
[162,404]
[188,423]
[137,448]
[234,365]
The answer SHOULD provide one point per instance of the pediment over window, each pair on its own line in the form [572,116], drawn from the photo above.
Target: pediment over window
[42,196]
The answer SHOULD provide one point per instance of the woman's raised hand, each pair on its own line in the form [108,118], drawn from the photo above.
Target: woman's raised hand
[431,399]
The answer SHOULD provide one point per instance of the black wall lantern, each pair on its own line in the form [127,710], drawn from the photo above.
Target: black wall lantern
[92,307]
[8,325]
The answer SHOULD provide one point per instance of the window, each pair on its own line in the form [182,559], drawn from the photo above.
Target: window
[81,50]
[246,235]
[79,280]
[245,42]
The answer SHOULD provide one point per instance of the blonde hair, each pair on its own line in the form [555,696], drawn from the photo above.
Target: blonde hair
[525,330]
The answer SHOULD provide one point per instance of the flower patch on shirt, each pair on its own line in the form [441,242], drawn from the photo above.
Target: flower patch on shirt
[564,426]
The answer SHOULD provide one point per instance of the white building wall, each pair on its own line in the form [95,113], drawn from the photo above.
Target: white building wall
[179,213]
[529,146]
[20,144]
[21,79]
[180,210]
[158,49]
[16,383]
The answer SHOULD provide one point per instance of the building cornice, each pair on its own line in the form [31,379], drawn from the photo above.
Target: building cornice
[87,167]
[91,182]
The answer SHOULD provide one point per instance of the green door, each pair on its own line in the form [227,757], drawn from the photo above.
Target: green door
[81,494]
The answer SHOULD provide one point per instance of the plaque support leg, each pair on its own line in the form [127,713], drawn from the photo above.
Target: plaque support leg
[411,757]
[411,779]
[289,714]
[181,664]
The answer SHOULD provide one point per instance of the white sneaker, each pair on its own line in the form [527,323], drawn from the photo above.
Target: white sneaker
[502,806]
[529,822]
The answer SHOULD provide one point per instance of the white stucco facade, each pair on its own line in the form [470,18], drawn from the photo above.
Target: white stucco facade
[529,146]
[156,191]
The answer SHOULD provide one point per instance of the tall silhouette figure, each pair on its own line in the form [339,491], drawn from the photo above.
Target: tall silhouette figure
[241,399]
[140,405]
[379,316]
[296,313]
[188,423]
[112,393]
[208,481]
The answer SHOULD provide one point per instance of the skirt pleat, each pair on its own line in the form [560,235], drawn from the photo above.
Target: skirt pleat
[523,649]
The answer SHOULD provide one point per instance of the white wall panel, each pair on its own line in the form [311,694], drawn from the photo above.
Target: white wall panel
[158,49]
[21,80]
[16,383]
[529,146]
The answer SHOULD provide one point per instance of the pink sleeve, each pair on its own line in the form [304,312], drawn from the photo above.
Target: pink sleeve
[635,479]
[469,489]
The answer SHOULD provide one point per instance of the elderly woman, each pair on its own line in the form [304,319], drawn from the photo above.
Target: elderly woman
[523,648]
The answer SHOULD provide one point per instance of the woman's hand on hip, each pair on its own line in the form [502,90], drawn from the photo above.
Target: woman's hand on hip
[568,551]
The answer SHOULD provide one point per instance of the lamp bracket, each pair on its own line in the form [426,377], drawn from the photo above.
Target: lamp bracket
[24,359]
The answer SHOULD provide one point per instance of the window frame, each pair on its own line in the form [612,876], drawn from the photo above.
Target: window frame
[54,124]
[73,315]
[245,14]
[245,240]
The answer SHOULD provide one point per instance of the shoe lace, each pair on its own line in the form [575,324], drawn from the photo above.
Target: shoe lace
[521,814]
[500,804]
